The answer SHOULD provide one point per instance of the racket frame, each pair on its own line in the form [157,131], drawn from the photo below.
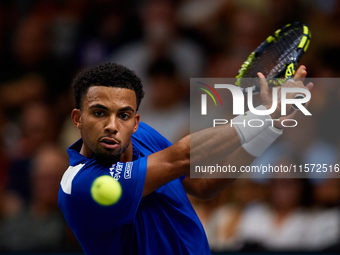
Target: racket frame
[288,69]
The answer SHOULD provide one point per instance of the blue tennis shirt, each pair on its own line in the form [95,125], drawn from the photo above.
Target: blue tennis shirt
[162,222]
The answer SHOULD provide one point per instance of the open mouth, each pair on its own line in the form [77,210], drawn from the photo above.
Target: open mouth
[109,143]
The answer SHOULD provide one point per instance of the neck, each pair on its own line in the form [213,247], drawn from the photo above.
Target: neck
[127,155]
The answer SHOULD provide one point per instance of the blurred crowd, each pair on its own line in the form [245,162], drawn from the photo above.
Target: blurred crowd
[43,44]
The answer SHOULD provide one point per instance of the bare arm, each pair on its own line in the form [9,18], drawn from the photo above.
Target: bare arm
[174,162]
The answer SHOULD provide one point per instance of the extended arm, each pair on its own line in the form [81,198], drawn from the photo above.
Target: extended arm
[174,162]
[213,145]
[206,188]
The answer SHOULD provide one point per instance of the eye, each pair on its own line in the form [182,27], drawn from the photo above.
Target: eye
[99,114]
[124,116]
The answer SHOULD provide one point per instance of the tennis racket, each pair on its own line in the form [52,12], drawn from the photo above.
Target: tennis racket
[276,57]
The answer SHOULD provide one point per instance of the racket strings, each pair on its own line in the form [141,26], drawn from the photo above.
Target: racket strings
[281,51]
[286,48]
[272,60]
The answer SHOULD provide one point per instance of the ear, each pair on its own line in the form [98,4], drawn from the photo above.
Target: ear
[137,117]
[76,118]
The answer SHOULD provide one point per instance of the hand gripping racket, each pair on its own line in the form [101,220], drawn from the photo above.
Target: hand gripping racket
[278,55]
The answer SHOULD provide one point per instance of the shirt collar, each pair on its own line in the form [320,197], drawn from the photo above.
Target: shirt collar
[74,155]
[76,158]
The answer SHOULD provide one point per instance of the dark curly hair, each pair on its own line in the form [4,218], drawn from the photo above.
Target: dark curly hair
[108,75]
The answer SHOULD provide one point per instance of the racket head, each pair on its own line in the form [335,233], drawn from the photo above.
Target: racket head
[278,55]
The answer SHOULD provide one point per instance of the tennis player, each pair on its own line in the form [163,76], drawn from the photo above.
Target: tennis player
[154,215]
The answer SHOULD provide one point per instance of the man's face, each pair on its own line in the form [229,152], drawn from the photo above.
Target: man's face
[107,120]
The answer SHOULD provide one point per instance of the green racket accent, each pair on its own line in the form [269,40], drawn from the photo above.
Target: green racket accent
[276,57]
[244,68]
[290,70]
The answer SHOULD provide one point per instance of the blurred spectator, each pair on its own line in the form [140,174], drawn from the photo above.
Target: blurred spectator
[324,229]
[165,102]
[329,65]
[283,13]
[281,225]
[162,38]
[326,192]
[4,155]
[223,227]
[106,26]
[40,226]
[205,209]
[223,65]
[65,28]
[28,66]
[248,29]
[37,127]
[69,134]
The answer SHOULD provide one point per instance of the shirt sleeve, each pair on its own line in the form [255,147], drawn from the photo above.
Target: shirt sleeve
[88,214]
[150,139]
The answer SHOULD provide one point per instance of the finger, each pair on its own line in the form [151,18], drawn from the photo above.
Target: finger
[260,75]
[263,83]
[310,86]
[300,73]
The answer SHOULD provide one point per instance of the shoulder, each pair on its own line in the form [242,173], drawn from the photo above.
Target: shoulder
[75,191]
[69,175]
[149,137]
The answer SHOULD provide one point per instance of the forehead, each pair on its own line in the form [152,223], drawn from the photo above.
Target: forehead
[110,97]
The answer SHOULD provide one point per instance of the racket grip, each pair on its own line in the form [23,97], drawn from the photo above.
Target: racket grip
[298,96]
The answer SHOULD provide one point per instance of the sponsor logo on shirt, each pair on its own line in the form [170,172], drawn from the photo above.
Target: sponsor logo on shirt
[128,169]
[116,170]
[112,169]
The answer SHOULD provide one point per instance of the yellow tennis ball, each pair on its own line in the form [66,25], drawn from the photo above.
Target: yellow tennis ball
[105,190]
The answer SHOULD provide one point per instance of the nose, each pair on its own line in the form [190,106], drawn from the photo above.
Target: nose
[111,125]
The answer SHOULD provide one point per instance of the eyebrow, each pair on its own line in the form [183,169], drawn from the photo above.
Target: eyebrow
[123,109]
[126,108]
[98,106]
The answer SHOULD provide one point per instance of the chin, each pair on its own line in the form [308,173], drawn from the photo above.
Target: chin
[106,158]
